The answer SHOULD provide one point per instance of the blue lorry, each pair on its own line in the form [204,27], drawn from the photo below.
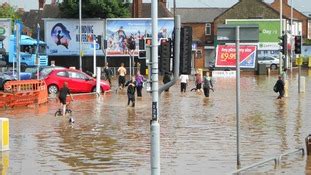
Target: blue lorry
[28,48]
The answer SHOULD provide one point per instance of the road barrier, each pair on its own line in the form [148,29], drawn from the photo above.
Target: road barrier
[24,92]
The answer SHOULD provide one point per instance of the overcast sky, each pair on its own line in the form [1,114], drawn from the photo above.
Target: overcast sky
[302,5]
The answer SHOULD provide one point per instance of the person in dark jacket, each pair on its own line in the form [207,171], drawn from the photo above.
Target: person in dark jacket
[166,79]
[280,87]
[131,87]
[207,84]
[108,73]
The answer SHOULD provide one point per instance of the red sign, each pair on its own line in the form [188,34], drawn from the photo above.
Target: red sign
[226,56]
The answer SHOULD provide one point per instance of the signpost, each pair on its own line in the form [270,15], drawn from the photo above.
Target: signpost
[231,34]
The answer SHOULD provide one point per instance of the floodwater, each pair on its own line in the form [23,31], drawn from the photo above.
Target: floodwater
[198,135]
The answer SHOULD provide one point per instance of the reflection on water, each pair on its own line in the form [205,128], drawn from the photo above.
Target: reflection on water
[198,134]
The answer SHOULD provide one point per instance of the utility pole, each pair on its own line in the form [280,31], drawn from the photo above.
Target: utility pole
[238,93]
[281,33]
[80,35]
[155,126]
[291,38]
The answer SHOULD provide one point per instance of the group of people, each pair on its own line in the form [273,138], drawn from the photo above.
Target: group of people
[206,81]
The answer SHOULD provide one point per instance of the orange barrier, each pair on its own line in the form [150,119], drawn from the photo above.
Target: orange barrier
[25,92]
[5,98]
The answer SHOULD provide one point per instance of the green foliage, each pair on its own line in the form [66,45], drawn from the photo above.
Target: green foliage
[94,9]
[7,11]
[307,42]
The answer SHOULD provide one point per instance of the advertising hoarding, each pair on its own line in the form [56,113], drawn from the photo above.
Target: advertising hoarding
[62,36]
[269,31]
[5,30]
[121,31]
[226,56]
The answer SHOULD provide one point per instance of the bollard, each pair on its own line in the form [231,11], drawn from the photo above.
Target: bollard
[98,90]
[308,144]
[268,70]
[4,132]
[303,84]
[286,88]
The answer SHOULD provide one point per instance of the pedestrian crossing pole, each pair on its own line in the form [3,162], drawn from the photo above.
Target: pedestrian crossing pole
[155,126]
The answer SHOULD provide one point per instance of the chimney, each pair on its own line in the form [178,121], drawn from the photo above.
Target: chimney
[41,4]
[137,8]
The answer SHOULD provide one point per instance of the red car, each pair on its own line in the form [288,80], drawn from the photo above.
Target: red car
[77,81]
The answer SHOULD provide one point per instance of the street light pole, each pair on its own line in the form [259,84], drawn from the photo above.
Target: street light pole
[238,94]
[80,35]
[292,34]
[281,33]
[155,126]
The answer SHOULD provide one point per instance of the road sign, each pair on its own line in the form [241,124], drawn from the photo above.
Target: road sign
[226,56]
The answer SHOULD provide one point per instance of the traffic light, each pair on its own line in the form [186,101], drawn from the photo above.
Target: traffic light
[185,50]
[142,44]
[99,41]
[297,44]
[165,55]
[2,49]
[131,44]
[283,44]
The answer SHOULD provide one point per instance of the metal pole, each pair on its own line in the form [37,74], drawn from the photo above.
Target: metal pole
[18,64]
[299,75]
[94,56]
[37,51]
[176,55]
[292,34]
[155,126]
[130,65]
[281,33]
[238,94]
[80,35]
[98,81]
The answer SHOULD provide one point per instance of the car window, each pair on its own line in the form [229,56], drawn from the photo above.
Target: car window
[62,74]
[77,75]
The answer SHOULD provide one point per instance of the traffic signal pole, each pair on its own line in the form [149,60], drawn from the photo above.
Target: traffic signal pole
[155,126]
[281,34]
[176,56]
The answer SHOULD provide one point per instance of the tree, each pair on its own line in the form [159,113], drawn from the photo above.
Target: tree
[7,11]
[94,9]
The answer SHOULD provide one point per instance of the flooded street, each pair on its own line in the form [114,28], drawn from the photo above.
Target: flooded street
[198,134]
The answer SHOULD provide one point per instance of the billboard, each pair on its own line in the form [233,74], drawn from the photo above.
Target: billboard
[5,30]
[63,38]
[269,31]
[122,31]
[226,56]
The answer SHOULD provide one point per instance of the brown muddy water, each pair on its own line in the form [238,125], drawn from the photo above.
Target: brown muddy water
[198,134]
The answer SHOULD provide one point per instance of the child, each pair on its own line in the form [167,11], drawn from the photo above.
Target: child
[131,87]
[64,91]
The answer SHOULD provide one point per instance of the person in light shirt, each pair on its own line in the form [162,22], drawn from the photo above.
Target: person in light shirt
[184,78]
[122,73]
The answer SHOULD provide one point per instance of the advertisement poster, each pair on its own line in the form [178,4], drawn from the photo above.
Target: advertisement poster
[226,56]
[5,30]
[122,31]
[63,38]
[269,31]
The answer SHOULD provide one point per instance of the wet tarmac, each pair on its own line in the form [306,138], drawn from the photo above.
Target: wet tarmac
[198,134]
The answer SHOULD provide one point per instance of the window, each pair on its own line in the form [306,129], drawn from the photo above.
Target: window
[208,29]
[62,74]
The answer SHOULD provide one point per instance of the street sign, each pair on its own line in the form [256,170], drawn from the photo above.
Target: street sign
[227,33]
[226,56]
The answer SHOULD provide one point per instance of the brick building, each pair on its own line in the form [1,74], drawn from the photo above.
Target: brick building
[297,16]
[201,21]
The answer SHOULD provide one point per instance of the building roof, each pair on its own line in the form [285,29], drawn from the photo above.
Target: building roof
[163,12]
[199,15]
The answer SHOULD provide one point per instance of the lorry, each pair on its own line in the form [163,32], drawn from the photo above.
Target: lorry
[28,47]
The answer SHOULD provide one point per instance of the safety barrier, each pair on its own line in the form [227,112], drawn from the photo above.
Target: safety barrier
[24,92]
[276,160]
